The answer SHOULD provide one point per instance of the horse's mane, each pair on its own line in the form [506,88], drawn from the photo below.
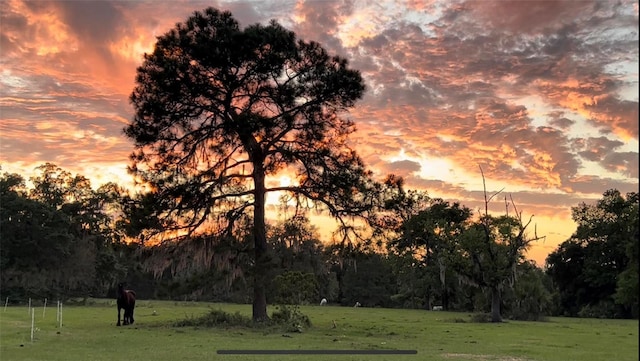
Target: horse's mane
[122,292]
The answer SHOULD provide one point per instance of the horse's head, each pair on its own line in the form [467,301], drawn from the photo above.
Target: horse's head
[120,289]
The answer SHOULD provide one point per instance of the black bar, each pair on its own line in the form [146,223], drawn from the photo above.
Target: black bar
[317,352]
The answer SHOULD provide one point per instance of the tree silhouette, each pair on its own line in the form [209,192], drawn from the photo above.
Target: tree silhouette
[218,109]
[596,269]
[491,249]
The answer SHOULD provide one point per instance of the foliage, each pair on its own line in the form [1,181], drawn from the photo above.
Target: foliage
[37,247]
[201,267]
[530,298]
[411,283]
[398,206]
[216,318]
[297,247]
[489,251]
[58,238]
[481,317]
[294,287]
[368,280]
[291,317]
[597,268]
[602,309]
[219,108]
[425,247]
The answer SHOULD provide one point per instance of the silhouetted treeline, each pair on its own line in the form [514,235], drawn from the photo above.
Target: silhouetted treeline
[62,239]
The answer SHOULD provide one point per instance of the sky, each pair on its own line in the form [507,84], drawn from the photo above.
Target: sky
[540,95]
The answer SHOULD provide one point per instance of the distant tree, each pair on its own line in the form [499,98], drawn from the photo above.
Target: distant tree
[596,270]
[40,256]
[489,251]
[370,280]
[201,267]
[398,206]
[296,288]
[218,109]
[51,185]
[565,266]
[530,298]
[297,247]
[113,251]
[86,230]
[429,237]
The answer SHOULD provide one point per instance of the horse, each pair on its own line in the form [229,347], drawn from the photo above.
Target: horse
[126,300]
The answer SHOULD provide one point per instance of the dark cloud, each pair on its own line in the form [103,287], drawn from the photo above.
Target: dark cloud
[321,20]
[596,149]
[593,186]
[14,28]
[437,188]
[528,17]
[98,22]
[561,122]
[625,163]
[402,167]
[248,13]
[615,115]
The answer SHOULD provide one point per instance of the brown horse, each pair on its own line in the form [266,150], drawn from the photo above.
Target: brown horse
[126,300]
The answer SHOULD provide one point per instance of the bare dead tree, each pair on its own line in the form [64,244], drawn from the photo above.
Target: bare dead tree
[495,266]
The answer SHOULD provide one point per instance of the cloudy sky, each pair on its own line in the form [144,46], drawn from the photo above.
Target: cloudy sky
[543,95]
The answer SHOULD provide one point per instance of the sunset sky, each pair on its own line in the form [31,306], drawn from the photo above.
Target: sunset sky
[542,95]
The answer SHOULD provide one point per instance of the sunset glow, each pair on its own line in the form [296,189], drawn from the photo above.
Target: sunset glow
[542,95]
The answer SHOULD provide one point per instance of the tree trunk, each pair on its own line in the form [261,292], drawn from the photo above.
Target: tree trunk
[427,298]
[259,296]
[445,298]
[443,283]
[495,305]
[261,250]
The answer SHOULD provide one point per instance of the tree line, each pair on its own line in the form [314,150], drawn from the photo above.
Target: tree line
[60,238]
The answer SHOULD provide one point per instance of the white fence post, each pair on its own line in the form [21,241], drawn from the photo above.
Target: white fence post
[33,321]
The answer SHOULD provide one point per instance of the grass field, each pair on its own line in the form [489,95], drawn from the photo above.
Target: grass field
[89,333]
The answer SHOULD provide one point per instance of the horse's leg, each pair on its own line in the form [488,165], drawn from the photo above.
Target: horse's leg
[131,313]
[125,319]
[118,324]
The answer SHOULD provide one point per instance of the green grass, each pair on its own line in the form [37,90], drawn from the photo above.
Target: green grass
[89,333]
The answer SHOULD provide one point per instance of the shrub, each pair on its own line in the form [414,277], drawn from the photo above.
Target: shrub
[291,317]
[603,309]
[216,318]
[481,317]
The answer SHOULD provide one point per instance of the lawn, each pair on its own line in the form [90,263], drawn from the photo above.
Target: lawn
[89,333]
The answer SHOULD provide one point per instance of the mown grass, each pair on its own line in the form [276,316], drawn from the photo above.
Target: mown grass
[89,333]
